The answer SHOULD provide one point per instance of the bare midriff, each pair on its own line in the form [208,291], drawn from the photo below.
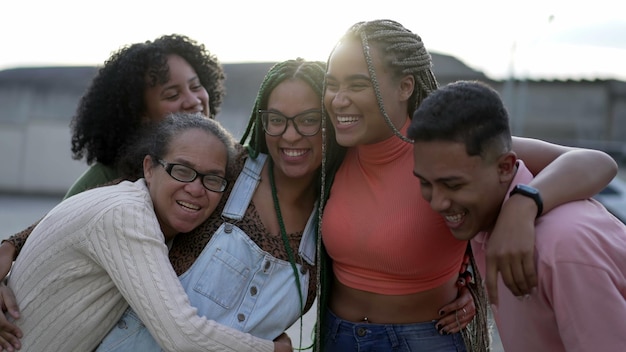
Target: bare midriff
[359,306]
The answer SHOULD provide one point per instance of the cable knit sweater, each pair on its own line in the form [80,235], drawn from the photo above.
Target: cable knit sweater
[89,258]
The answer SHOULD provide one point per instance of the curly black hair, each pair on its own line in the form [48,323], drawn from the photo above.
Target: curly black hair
[109,115]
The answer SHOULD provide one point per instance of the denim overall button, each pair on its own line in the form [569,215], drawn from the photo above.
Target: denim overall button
[253,290]
[228,228]
[241,317]
[361,331]
[122,324]
[303,270]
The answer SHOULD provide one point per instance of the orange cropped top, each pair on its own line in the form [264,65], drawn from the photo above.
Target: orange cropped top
[382,236]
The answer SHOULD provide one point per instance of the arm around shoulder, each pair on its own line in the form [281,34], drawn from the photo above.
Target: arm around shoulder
[137,259]
[557,168]
[11,247]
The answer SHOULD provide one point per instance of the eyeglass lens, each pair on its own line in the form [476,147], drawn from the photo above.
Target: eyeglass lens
[184,173]
[307,123]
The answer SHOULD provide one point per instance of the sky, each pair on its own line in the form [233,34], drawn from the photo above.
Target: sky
[549,39]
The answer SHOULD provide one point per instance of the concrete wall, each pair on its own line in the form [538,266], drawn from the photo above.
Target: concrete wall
[578,113]
[36,158]
[36,109]
[35,137]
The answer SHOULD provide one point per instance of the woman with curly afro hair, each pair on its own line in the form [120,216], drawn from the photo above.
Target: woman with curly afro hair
[138,84]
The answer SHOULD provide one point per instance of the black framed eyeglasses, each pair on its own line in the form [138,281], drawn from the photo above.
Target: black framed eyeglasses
[185,174]
[306,123]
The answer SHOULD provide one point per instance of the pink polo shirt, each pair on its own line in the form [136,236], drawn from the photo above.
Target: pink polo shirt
[580,302]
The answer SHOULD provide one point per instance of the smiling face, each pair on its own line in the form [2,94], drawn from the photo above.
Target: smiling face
[350,97]
[294,155]
[181,207]
[181,93]
[466,190]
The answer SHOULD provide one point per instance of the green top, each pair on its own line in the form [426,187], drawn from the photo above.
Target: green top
[97,174]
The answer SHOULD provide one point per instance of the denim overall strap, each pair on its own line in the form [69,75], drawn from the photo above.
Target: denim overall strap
[242,193]
[244,187]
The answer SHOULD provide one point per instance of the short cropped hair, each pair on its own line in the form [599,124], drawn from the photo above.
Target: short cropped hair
[469,112]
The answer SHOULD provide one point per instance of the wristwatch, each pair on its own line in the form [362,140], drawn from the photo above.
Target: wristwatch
[530,192]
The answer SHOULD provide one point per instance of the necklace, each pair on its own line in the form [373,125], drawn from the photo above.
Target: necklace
[283,233]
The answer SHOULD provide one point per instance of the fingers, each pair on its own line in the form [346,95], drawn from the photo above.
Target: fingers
[283,343]
[9,342]
[284,338]
[530,273]
[9,332]
[524,278]
[464,299]
[7,254]
[456,320]
[8,302]
[517,283]
[519,276]
[464,279]
[457,314]
[510,250]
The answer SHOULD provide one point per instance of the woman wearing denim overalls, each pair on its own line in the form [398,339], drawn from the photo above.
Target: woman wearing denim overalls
[257,272]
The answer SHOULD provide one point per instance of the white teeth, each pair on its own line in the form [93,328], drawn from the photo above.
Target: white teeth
[294,152]
[188,205]
[454,218]
[344,120]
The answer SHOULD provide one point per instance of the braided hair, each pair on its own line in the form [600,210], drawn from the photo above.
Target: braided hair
[109,114]
[313,73]
[310,72]
[403,53]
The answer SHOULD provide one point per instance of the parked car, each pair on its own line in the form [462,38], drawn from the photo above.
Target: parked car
[613,197]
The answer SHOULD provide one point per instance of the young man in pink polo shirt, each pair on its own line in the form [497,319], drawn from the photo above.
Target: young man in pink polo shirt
[467,169]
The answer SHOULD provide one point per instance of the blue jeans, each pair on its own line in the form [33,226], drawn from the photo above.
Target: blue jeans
[344,336]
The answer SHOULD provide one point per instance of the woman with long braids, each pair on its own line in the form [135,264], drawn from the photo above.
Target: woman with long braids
[392,262]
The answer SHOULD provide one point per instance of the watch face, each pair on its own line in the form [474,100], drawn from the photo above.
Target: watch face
[527,190]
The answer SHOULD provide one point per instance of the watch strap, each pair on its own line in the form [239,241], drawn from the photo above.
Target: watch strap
[531,193]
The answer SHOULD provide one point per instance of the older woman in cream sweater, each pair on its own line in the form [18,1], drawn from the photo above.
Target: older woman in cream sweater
[103,249]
